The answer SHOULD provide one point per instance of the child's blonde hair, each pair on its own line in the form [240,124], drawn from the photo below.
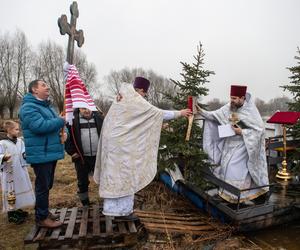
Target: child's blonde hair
[9,124]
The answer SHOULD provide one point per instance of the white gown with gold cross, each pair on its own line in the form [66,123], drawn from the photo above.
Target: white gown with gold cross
[14,176]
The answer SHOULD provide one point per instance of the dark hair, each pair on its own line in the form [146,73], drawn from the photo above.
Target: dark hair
[32,85]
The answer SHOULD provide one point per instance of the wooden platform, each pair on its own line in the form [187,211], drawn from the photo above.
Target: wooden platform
[281,207]
[85,228]
[180,223]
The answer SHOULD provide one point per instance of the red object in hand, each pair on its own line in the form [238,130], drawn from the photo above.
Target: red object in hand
[190,102]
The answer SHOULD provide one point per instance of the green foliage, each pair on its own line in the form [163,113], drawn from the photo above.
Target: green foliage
[294,89]
[174,149]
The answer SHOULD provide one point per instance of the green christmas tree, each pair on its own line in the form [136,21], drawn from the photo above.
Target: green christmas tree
[294,89]
[174,149]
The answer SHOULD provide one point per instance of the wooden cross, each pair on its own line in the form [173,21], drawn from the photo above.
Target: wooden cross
[70,29]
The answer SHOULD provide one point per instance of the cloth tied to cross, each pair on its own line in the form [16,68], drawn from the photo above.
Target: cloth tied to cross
[76,94]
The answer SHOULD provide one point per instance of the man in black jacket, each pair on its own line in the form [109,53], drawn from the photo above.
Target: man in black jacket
[82,147]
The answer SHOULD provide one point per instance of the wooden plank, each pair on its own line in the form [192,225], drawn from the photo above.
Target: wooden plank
[184,217]
[96,220]
[56,231]
[29,238]
[161,230]
[122,228]
[71,224]
[183,228]
[108,224]
[131,226]
[148,212]
[168,221]
[42,233]
[84,222]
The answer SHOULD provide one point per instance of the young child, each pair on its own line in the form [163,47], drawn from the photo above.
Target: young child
[17,190]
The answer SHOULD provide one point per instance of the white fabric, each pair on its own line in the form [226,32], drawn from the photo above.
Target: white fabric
[175,174]
[170,114]
[127,151]
[242,158]
[122,206]
[14,175]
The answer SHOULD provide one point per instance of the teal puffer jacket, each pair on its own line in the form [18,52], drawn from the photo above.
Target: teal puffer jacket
[41,130]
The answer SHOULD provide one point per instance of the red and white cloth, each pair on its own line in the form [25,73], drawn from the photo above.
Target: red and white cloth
[76,94]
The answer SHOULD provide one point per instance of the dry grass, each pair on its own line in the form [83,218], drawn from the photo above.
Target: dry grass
[63,194]
[155,197]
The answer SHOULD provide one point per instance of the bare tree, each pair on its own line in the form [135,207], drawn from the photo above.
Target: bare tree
[262,106]
[103,103]
[49,67]
[158,88]
[14,62]
[88,72]
[214,104]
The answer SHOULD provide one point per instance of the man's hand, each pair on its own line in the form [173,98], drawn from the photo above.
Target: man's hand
[185,112]
[63,136]
[6,157]
[237,129]
[75,156]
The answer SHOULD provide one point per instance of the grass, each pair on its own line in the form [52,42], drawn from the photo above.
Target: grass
[64,194]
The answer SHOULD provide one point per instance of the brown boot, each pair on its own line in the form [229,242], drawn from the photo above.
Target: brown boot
[53,216]
[48,223]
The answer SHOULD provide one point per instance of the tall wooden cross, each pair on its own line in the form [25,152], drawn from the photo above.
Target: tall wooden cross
[70,29]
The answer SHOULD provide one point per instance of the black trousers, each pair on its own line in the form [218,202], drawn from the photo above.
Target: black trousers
[83,171]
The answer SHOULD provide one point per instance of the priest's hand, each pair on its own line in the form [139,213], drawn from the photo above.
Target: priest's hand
[6,157]
[198,108]
[237,129]
[185,112]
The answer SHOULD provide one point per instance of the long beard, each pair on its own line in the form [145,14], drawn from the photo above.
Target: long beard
[235,107]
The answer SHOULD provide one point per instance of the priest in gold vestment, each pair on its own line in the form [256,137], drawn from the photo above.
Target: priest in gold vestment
[127,152]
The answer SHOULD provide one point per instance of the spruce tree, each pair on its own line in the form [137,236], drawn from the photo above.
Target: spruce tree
[294,89]
[174,149]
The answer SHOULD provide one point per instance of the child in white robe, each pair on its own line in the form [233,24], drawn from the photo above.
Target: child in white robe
[16,186]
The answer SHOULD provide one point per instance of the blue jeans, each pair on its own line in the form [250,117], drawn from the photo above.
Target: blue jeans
[44,173]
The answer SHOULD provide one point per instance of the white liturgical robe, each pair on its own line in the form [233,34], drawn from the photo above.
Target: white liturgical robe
[241,158]
[14,175]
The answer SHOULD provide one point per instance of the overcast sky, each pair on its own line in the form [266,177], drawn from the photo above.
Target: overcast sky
[245,41]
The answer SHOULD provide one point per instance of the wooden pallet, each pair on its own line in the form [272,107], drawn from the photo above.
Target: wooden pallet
[85,228]
[179,223]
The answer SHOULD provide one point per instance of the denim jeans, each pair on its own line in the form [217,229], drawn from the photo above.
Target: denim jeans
[44,173]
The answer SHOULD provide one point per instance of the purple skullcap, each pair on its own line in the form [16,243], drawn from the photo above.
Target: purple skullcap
[141,83]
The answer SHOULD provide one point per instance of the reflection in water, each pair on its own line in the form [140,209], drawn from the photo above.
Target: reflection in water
[281,237]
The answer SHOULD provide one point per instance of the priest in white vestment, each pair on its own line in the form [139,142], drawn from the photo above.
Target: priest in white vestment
[241,157]
[127,152]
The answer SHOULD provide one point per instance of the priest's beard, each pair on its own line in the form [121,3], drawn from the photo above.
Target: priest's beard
[235,106]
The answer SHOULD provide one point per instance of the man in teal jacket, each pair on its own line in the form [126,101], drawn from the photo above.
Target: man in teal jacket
[41,130]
